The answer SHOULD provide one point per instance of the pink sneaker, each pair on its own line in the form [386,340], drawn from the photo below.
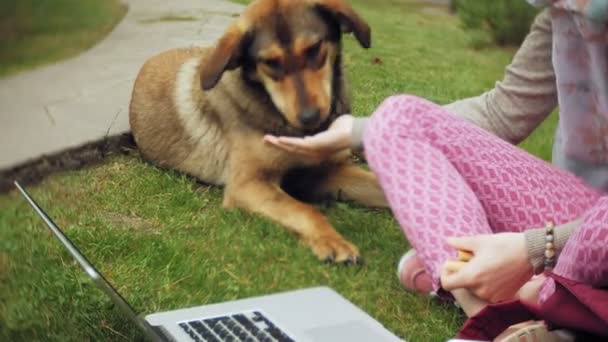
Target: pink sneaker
[412,275]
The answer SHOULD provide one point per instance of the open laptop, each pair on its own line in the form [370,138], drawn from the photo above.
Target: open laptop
[312,314]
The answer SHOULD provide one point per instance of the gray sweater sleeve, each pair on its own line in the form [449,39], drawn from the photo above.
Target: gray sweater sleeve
[526,95]
[535,242]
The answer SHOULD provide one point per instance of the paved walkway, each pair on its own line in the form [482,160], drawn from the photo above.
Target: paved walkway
[86,98]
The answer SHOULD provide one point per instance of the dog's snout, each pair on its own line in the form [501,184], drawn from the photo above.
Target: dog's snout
[309,117]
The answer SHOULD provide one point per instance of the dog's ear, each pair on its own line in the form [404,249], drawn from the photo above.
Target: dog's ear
[225,56]
[349,20]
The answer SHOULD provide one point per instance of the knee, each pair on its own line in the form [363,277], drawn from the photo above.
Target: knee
[394,111]
[400,115]
[403,100]
[598,214]
[403,108]
[602,203]
[398,105]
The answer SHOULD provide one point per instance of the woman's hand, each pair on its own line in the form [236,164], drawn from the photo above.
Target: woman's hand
[498,269]
[336,138]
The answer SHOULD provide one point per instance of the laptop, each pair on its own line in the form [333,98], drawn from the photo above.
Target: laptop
[311,314]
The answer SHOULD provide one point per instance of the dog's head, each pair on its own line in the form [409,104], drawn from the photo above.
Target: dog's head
[290,47]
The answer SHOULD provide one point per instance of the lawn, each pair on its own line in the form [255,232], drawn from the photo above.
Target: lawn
[37,32]
[165,243]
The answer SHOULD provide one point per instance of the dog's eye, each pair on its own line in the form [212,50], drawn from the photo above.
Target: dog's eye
[313,51]
[271,63]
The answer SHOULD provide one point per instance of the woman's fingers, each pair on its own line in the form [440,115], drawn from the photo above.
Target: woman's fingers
[315,145]
[465,243]
[319,142]
[336,138]
[464,255]
[451,266]
[276,142]
[307,142]
[291,147]
[298,149]
[455,275]
[318,145]
[271,139]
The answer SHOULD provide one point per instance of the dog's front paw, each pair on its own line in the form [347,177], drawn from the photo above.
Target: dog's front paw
[334,249]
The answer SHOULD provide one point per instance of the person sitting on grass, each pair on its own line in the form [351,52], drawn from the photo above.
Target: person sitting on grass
[455,186]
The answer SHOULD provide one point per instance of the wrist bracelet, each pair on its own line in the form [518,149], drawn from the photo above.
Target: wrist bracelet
[549,261]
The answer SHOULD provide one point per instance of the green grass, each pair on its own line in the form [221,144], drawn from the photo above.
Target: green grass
[37,32]
[165,242]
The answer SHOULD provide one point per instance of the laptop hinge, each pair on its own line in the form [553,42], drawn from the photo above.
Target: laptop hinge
[155,333]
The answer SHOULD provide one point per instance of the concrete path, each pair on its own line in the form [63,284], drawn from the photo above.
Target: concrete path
[85,98]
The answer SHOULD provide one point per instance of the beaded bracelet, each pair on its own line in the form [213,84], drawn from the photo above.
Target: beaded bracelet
[549,247]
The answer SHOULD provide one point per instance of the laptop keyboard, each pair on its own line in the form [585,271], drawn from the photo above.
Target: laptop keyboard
[247,326]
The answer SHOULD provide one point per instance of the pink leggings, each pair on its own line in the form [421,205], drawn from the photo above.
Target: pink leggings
[444,176]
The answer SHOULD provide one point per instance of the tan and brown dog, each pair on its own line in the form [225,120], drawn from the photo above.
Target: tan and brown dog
[277,69]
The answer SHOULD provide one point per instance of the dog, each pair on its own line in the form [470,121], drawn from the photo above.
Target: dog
[276,70]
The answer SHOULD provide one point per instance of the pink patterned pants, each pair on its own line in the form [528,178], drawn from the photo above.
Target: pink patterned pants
[443,177]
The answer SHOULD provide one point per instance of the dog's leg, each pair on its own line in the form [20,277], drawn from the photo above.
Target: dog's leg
[268,199]
[350,182]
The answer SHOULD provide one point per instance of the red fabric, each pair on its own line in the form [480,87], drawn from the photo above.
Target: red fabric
[573,306]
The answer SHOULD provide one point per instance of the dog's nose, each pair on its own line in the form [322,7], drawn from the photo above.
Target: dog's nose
[309,117]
